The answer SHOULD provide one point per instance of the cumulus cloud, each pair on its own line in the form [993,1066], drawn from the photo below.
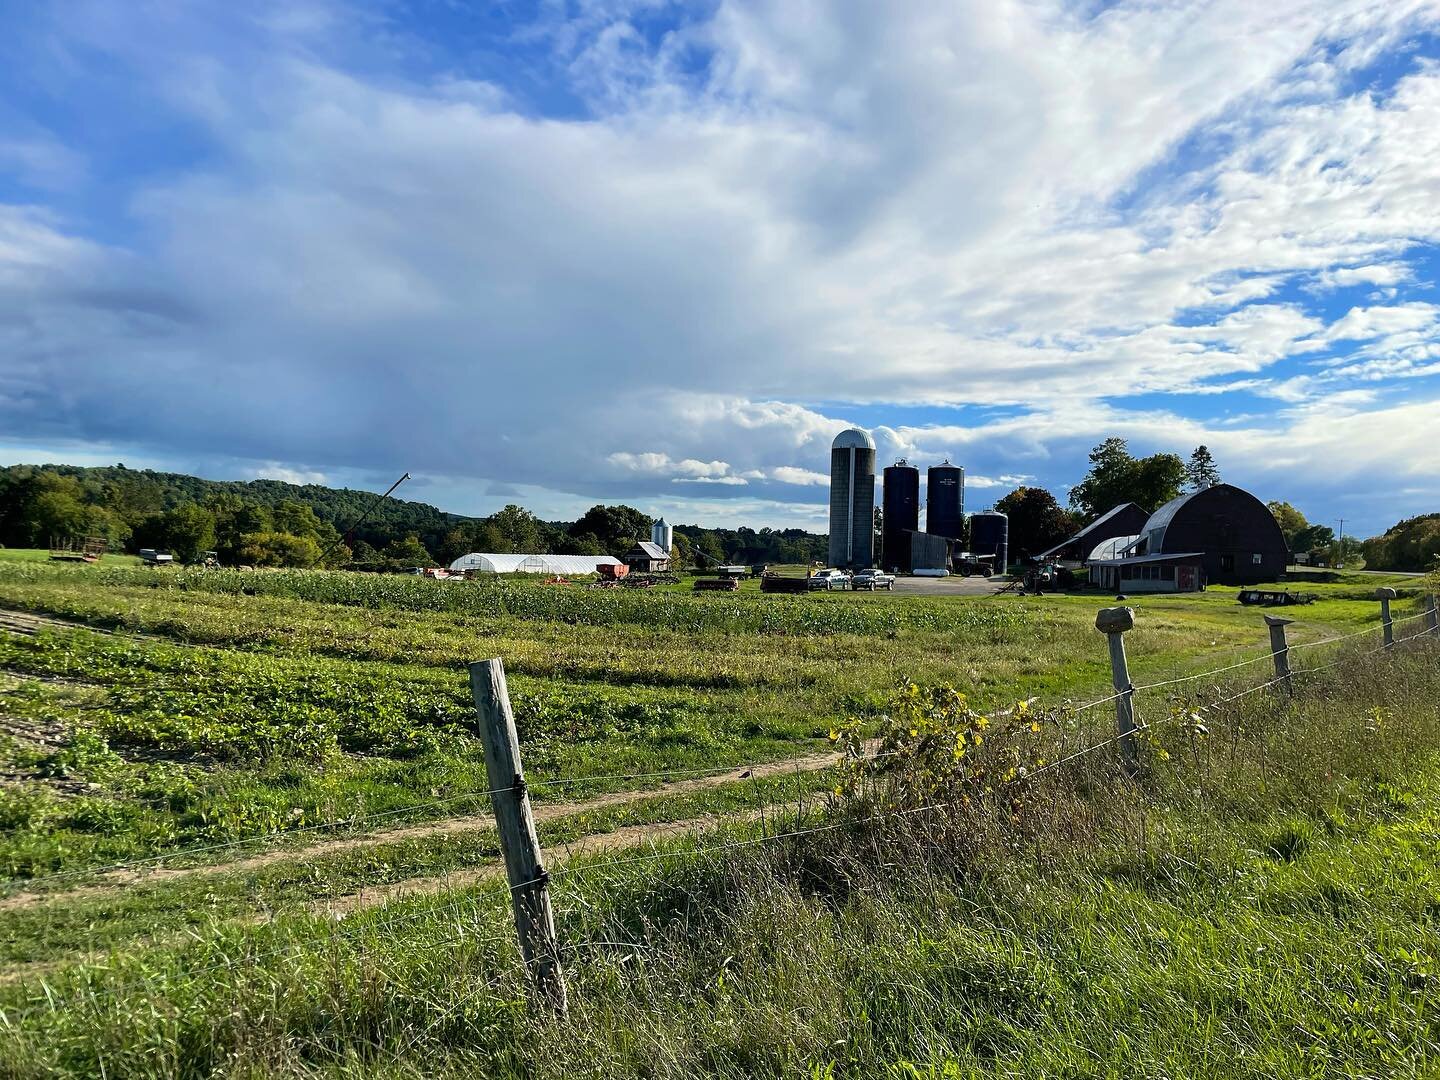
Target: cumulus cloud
[747,232]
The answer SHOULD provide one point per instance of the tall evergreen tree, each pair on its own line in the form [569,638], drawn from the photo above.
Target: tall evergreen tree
[1201,472]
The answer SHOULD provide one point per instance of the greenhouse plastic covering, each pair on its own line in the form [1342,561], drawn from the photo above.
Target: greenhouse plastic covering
[532,564]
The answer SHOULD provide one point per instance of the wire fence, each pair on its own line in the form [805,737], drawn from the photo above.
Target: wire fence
[49,1001]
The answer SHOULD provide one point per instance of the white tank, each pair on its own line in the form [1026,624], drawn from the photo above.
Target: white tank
[662,534]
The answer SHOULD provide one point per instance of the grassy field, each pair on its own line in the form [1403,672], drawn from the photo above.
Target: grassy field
[296,751]
[43,555]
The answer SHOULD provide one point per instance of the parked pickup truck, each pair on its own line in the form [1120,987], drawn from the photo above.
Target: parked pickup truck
[829,579]
[872,580]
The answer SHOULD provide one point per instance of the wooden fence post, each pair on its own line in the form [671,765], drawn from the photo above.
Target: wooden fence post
[1432,615]
[1279,647]
[1113,623]
[524,868]
[1385,596]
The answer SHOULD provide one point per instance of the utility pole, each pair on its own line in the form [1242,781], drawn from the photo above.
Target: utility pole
[1340,548]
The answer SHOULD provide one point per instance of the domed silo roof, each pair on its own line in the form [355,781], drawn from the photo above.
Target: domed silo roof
[853,439]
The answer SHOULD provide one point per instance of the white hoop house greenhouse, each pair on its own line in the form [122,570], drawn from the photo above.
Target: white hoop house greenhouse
[483,563]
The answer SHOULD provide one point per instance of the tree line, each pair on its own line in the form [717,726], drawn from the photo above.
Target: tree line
[1038,522]
[274,523]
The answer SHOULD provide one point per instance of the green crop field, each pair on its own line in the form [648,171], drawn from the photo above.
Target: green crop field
[245,833]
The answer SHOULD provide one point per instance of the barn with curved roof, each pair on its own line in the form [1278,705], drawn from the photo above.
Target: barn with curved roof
[1238,537]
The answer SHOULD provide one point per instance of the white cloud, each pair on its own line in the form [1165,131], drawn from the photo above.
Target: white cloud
[788,474]
[958,204]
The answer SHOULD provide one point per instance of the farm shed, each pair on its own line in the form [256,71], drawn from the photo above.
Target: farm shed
[1127,519]
[484,563]
[1184,572]
[925,551]
[1238,537]
[648,558]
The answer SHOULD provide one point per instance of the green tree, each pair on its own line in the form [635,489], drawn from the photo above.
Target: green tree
[1312,538]
[236,518]
[1037,521]
[408,552]
[1291,521]
[584,544]
[1116,477]
[49,506]
[453,545]
[187,532]
[132,496]
[1158,479]
[279,549]
[1201,472]
[520,530]
[1412,544]
[365,553]
[298,519]
[616,527]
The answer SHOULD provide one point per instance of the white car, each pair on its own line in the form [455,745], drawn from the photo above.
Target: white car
[829,579]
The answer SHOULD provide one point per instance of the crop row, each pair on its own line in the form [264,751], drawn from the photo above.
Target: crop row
[136,746]
[713,612]
[240,707]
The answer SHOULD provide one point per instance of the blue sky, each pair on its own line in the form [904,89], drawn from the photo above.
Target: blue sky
[567,252]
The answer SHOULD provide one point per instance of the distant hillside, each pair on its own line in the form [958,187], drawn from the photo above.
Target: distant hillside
[134,493]
[274,523]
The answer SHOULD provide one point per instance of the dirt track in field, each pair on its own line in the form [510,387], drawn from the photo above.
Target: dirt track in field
[128,875]
[105,880]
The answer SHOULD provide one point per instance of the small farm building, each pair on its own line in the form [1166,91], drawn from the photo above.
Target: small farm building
[1183,572]
[1237,537]
[484,563]
[648,558]
[925,551]
[1127,519]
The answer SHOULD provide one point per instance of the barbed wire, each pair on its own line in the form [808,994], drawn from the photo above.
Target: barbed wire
[149,862]
[1024,777]
[1203,674]
[279,838]
[1359,633]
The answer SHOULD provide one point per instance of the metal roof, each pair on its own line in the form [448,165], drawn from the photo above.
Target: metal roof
[853,439]
[1109,550]
[654,551]
[494,563]
[1160,520]
[1088,528]
[1165,556]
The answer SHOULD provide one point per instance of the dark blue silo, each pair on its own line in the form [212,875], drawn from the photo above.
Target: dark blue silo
[945,501]
[902,512]
[990,535]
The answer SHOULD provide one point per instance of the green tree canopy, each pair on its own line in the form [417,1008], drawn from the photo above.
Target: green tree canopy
[1201,472]
[1037,521]
[187,532]
[408,552]
[1412,544]
[279,549]
[1291,521]
[519,530]
[617,528]
[1116,477]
